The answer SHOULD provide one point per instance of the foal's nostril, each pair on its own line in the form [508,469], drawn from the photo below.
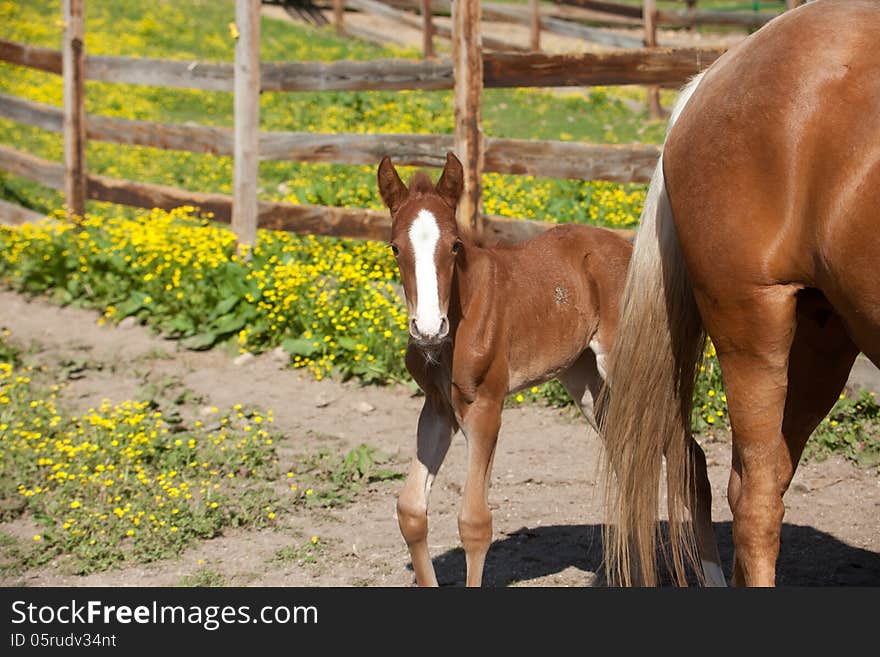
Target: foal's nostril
[444,327]
[413,329]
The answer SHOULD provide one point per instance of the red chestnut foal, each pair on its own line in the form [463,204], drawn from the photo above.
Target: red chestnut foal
[485,322]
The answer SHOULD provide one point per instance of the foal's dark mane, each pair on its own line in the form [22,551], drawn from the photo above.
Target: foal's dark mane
[420,183]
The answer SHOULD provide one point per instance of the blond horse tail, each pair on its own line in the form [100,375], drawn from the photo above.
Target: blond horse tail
[647,410]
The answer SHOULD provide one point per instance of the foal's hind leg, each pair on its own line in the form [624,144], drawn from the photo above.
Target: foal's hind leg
[701,512]
[820,361]
[584,382]
[434,435]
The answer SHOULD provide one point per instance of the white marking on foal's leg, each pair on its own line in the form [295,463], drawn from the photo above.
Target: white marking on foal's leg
[424,234]
[600,357]
[713,574]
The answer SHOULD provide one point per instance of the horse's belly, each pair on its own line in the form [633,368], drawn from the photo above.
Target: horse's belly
[543,355]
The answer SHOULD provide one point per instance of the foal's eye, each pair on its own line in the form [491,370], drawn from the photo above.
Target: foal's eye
[395,250]
[456,247]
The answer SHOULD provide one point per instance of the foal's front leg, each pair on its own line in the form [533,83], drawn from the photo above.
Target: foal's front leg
[434,435]
[480,425]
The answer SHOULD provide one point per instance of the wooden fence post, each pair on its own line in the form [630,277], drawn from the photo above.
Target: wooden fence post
[74,124]
[247,121]
[691,12]
[339,16]
[427,29]
[535,25]
[467,70]
[649,16]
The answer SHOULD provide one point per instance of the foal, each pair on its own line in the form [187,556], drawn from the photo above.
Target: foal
[485,322]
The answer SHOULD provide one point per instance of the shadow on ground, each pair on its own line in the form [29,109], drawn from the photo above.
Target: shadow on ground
[808,557]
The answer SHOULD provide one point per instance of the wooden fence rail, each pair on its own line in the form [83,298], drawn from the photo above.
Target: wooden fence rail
[12,214]
[550,159]
[355,223]
[678,17]
[664,66]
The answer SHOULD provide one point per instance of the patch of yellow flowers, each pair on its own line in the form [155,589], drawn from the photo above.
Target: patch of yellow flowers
[334,304]
[122,480]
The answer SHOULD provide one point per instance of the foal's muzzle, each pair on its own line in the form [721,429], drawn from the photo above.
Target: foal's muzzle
[426,338]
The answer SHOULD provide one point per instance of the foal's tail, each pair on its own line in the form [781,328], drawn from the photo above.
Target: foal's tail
[647,413]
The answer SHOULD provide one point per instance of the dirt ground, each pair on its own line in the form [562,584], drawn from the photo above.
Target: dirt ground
[545,498]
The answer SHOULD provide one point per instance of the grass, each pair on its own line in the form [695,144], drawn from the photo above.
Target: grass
[305,553]
[851,430]
[204,577]
[129,480]
[334,479]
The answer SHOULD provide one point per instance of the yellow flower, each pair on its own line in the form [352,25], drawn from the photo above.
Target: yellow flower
[37,537]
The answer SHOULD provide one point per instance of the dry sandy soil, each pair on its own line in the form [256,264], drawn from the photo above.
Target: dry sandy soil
[546,501]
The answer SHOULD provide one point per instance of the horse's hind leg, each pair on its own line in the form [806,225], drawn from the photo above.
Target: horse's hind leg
[753,329]
[821,357]
[584,382]
[434,435]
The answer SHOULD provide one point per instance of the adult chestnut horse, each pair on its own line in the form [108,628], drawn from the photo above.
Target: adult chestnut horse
[762,229]
[485,322]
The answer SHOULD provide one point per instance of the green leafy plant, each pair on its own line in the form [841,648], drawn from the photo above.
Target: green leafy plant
[851,430]
[335,479]
[305,553]
[204,578]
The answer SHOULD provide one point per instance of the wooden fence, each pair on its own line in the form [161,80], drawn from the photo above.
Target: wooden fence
[579,19]
[467,74]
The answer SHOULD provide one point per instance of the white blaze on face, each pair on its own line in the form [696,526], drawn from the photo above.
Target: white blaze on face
[424,234]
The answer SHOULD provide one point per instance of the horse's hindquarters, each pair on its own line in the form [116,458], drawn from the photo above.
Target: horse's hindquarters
[772,173]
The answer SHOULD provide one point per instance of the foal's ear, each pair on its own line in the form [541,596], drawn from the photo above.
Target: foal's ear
[451,182]
[391,187]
